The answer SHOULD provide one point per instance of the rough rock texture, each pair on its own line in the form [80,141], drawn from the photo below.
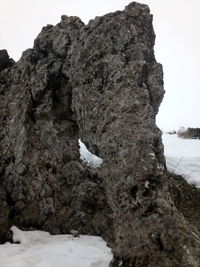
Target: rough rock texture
[186,199]
[5,61]
[46,185]
[100,82]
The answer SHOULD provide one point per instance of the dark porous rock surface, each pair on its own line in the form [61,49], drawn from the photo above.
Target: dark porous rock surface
[5,61]
[99,82]
[45,184]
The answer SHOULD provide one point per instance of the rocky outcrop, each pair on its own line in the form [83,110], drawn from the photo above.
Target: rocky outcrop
[99,82]
[46,185]
[5,61]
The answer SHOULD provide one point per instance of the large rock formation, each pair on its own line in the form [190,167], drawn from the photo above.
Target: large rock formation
[99,82]
[46,185]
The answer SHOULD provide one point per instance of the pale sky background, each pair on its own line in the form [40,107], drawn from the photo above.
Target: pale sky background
[176,24]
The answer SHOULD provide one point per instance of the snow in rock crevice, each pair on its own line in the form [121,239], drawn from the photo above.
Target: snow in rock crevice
[89,158]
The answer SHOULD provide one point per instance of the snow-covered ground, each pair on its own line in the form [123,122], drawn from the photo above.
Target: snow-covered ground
[40,249]
[183,157]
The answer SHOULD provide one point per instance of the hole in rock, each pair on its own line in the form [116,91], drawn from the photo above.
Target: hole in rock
[88,157]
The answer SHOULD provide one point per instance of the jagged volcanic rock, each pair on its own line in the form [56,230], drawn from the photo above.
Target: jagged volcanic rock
[46,185]
[99,82]
[5,61]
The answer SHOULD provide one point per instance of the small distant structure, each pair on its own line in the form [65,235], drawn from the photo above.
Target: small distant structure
[190,133]
[171,132]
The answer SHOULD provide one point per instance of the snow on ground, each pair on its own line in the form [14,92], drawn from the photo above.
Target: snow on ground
[88,157]
[183,157]
[40,249]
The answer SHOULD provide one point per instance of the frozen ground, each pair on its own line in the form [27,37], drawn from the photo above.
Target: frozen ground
[40,249]
[183,157]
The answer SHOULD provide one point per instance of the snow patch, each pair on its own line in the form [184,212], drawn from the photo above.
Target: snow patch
[40,249]
[88,157]
[183,157]
[25,237]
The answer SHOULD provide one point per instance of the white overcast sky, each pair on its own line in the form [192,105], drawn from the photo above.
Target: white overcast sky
[176,24]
